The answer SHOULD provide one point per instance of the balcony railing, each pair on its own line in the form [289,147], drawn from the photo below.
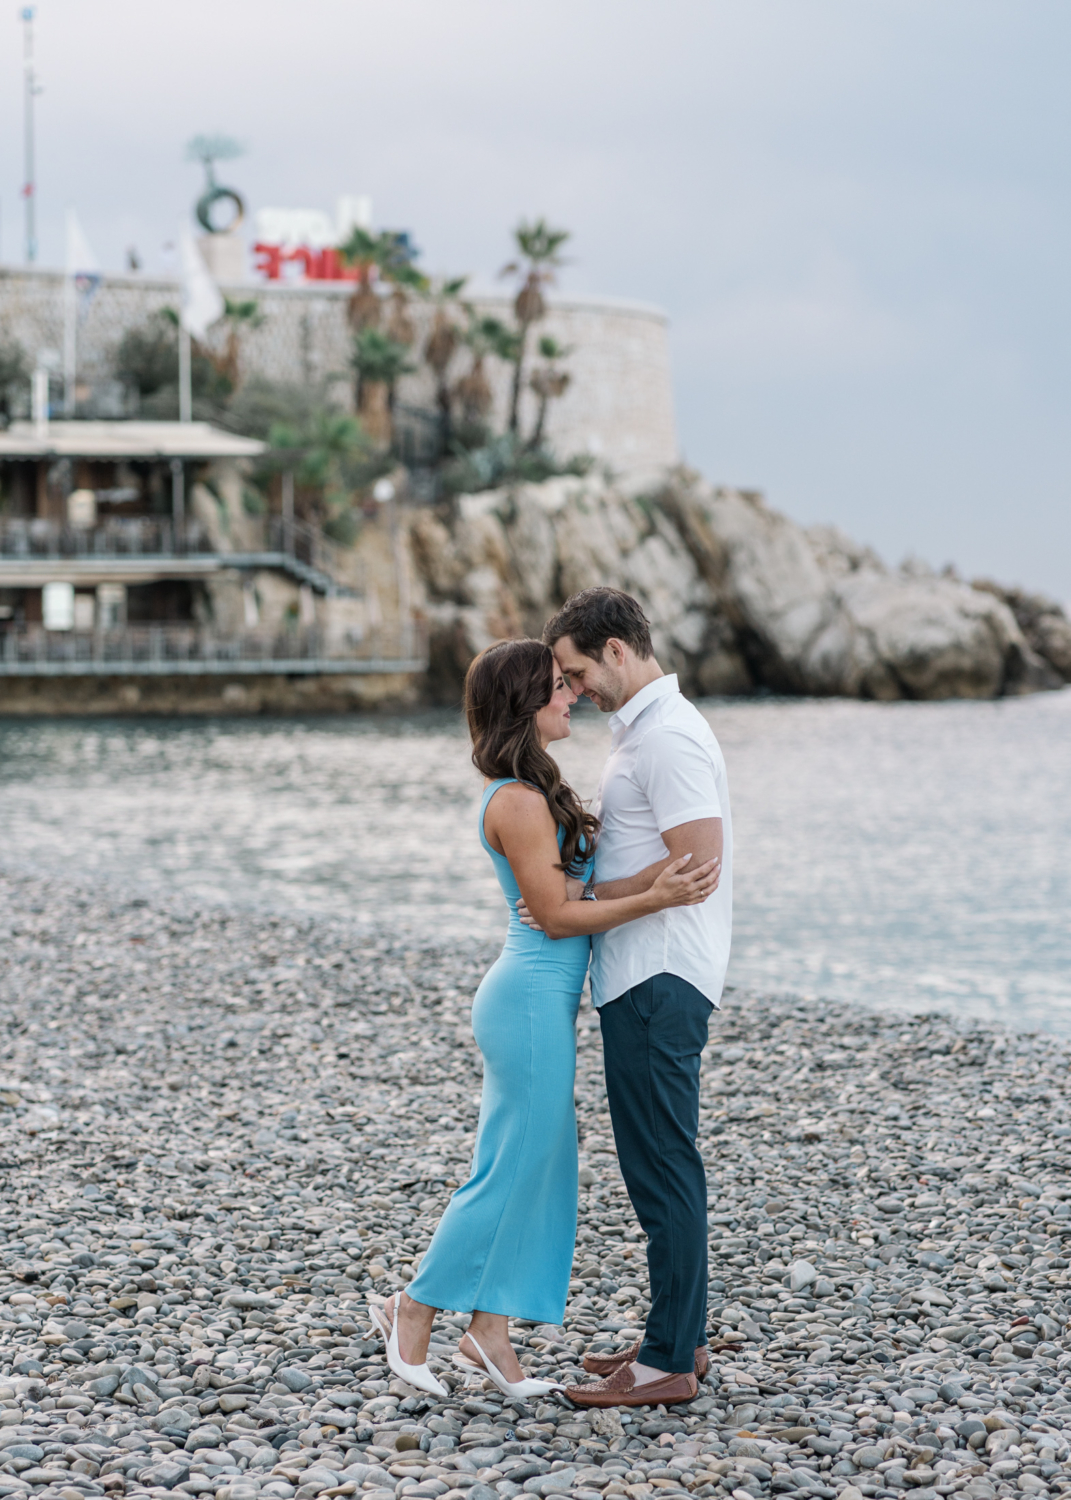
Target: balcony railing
[118,536]
[305,543]
[190,650]
[157,536]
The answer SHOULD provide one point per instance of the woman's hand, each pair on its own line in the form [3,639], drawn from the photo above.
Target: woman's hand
[574,890]
[678,886]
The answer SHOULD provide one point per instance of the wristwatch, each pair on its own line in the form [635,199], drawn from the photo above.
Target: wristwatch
[589,891]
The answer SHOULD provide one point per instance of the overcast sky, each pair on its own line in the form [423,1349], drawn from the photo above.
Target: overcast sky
[856,212]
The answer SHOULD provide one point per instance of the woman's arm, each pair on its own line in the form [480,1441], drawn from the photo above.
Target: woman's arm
[519,824]
[702,836]
[702,839]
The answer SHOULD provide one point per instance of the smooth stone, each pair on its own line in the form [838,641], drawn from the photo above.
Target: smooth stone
[484,1458]
[325,1478]
[551,1484]
[167,1474]
[800,1274]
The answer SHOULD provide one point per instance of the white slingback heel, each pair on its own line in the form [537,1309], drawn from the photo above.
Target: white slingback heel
[522,1390]
[415,1375]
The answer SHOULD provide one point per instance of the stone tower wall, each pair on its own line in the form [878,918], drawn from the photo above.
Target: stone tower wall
[619,405]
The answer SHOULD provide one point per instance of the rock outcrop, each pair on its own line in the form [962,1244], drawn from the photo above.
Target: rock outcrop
[739,596]
[1042,621]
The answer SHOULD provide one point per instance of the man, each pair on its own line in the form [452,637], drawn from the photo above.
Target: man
[663,794]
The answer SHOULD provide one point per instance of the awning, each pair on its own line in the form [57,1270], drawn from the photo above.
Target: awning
[125,440]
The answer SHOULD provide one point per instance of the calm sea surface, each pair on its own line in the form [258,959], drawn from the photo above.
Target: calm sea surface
[907,854]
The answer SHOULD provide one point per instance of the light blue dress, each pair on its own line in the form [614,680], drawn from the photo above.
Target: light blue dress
[505,1243]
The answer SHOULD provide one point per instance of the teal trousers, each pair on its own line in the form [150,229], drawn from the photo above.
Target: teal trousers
[653,1036]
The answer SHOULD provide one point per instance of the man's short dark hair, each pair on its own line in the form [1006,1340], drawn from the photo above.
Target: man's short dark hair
[595,616]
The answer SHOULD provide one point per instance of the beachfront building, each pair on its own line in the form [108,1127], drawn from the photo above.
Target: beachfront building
[132,548]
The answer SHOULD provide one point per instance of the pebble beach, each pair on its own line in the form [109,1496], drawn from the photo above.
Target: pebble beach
[224,1135]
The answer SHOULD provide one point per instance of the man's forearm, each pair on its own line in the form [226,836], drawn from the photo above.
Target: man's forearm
[631,885]
[702,839]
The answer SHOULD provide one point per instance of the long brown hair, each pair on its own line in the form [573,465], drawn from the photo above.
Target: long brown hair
[505,687]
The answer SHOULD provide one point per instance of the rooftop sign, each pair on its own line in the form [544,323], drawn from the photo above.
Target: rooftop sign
[308,238]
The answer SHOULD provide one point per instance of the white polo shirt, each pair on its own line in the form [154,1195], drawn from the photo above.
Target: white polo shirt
[665,768]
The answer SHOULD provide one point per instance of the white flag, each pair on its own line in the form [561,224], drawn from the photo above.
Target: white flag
[80,258]
[202,302]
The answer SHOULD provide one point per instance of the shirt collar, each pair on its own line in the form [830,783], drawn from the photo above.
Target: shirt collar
[629,712]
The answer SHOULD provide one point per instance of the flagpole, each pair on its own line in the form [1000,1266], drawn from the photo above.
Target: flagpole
[30,89]
[185,373]
[70,324]
[70,344]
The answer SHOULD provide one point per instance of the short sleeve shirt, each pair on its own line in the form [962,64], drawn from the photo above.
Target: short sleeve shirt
[665,768]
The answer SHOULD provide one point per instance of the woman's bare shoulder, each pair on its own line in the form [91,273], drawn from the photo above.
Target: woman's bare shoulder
[518,794]
[518,802]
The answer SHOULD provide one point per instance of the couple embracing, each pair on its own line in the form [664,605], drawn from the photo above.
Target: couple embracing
[643,885]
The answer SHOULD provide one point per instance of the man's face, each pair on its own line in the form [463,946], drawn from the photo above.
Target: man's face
[601,681]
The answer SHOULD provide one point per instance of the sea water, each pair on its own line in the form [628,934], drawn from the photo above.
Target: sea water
[903,855]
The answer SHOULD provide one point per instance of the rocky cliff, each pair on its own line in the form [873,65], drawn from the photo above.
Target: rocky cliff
[739,596]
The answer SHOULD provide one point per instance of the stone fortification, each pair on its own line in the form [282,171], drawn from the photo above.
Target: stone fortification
[619,405]
[739,597]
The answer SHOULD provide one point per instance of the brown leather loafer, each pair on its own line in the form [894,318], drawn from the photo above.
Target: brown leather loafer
[606,1364]
[620,1389]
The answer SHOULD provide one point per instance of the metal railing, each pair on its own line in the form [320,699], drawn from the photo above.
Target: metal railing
[181,650]
[118,536]
[307,544]
[154,536]
[292,545]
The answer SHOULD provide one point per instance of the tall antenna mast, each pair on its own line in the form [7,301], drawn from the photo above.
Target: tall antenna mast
[29,190]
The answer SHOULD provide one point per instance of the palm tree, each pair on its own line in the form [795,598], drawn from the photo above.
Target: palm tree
[379,360]
[362,250]
[539,246]
[396,256]
[549,382]
[440,346]
[484,336]
[390,256]
[238,316]
[380,355]
[400,325]
[396,261]
[330,449]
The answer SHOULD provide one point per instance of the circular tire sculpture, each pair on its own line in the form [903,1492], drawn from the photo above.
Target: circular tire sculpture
[208,200]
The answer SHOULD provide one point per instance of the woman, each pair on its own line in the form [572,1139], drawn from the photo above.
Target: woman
[504,1246]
